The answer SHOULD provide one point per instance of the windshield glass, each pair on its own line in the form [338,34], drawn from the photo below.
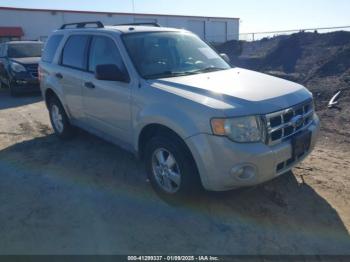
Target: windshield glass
[25,50]
[170,54]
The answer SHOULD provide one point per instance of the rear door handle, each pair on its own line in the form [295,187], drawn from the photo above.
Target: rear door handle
[59,75]
[89,85]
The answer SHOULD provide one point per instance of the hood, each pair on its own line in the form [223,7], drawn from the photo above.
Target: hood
[238,91]
[26,60]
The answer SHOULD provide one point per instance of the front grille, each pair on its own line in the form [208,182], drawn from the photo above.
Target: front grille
[284,124]
[33,70]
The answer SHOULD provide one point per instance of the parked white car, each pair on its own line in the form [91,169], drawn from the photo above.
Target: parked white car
[167,96]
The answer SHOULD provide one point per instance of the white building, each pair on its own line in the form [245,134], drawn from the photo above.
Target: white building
[37,24]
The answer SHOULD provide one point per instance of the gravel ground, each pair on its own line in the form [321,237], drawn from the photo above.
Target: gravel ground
[85,196]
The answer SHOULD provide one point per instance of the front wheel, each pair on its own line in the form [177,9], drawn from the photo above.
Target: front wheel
[170,167]
[59,119]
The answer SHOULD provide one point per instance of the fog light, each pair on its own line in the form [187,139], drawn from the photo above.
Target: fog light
[244,172]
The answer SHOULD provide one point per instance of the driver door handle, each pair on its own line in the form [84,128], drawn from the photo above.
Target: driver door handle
[89,85]
[59,75]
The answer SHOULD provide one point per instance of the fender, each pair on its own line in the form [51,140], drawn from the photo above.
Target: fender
[49,82]
[173,118]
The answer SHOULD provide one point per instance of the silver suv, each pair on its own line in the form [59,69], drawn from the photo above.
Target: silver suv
[167,96]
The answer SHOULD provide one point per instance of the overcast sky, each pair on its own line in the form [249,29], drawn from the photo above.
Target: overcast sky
[256,16]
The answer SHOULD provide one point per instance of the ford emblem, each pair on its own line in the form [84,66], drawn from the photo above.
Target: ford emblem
[297,121]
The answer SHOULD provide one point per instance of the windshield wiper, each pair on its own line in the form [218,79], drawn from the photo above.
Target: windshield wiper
[208,69]
[166,74]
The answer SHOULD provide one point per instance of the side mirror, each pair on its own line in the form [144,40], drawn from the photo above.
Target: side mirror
[110,72]
[226,58]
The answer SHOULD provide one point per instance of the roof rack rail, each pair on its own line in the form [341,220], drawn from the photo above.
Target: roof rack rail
[142,24]
[83,24]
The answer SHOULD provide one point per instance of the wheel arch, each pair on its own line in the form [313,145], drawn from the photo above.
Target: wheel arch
[151,130]
[49,94]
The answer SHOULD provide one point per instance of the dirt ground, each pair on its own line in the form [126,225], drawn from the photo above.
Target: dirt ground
[86,196]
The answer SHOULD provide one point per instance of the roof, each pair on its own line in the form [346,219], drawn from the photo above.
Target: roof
[110,13]
[138,28]
[11,31]
[123,29]
[24,42]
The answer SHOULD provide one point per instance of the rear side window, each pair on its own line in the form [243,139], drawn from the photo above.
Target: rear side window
[104,51]
[51,48]
[74,52]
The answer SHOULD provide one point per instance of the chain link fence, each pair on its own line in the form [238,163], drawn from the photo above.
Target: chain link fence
[255,36]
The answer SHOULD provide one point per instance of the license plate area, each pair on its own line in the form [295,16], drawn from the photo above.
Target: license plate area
[301,144]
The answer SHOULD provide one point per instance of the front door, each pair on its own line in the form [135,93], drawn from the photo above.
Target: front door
[107,103]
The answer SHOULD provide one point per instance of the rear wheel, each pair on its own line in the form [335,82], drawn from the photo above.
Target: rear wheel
[170,167]
[59,119]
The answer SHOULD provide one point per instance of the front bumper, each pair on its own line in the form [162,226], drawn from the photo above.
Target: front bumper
[218,159]
[25,85]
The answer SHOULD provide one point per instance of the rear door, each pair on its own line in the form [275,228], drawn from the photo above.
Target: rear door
[73,64]
[107,103]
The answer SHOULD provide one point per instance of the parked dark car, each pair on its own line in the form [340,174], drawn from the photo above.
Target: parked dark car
[19,66]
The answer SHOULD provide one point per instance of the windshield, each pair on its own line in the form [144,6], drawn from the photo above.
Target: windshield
[170,54]
[25,50]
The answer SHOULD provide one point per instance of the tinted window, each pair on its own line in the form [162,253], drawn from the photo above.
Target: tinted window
[51,48]
[74,52]
[104,51]
[24,50]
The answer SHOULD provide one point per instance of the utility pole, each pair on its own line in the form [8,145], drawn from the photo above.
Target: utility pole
[133,9]
[133,6]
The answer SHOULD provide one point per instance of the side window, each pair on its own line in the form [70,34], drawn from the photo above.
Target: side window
[104,51]
[51,48]
[74,52]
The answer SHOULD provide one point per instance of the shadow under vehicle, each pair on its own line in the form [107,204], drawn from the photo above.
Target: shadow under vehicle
[84,196]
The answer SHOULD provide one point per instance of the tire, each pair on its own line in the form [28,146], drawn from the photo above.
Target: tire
[13,91]
[3,84]
[173,150]
[59,119]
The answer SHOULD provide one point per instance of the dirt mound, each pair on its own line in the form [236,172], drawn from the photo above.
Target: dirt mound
[285,56]
[307,55]
[336,65]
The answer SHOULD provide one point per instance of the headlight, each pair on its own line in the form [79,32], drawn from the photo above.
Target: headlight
[15,67]
[247,129]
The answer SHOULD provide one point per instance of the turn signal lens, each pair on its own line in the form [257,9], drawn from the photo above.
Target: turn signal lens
[218,126]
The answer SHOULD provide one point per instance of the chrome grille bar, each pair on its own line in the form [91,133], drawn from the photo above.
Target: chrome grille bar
[285,123]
